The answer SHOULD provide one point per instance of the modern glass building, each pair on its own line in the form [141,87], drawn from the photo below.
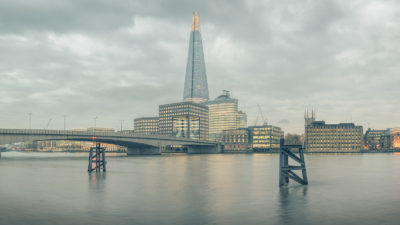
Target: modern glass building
[184,119]
[146,125]
[392,138]
[196,87]
[241,120]
[265,137]
[374,139]
[224,115]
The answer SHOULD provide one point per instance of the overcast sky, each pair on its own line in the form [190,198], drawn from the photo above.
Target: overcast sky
[118,60]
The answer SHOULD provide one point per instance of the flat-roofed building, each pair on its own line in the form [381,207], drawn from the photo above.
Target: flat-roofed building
[265,137]
[236,140]
[224,115]
[374,139]
[392,139]
[146,125]
[184,119]
[241,119]
[342,137]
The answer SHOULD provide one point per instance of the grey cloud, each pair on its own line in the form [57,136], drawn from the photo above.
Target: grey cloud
[120,59]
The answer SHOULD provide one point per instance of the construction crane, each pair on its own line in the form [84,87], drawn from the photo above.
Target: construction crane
[264,121]
[48,124]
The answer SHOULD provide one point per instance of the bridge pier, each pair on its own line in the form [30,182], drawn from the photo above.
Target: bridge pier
[148,150]
[204,149]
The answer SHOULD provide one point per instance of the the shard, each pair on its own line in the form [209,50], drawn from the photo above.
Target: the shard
[196,87]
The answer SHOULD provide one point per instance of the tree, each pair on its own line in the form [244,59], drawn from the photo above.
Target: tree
[293,139]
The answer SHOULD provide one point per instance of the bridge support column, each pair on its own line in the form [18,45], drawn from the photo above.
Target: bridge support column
[148,150]
[204,149]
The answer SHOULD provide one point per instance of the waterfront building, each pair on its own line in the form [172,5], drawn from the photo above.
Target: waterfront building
[146,125]
[184,119]
[224,115]
[392,138]
[265,137]
[70,146]
[236,140]
[196,87]
[322,137]
[374,139]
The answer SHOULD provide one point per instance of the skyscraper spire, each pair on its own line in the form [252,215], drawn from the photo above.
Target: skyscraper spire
[196,87]
[195,22]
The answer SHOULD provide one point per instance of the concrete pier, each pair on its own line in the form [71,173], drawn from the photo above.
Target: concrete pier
[148,150]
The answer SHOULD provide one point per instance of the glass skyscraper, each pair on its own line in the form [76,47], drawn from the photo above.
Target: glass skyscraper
[196,87]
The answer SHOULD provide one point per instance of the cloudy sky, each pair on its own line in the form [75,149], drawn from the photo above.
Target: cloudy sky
[118,59]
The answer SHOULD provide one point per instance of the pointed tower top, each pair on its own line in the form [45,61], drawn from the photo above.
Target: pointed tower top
[196,87]
[195,22]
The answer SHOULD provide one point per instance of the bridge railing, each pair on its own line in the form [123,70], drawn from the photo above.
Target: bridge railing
[92,133]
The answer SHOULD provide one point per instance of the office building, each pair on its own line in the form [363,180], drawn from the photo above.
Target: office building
[392,139]
[374,139]
[224,115]
[265,137]
[322,137]
[146,125]
[241,119]
[184,119]
[196,87]
[236,140]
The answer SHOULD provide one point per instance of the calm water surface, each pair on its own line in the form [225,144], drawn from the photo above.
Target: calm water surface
[54,188]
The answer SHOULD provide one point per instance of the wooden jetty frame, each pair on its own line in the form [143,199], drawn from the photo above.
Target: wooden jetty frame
[97,159]
[286,171]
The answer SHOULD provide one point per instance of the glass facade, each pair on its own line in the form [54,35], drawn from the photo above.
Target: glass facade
[224,115]
[241,120]
[342,137]
[196,87]
[265,137]
[374,139]
[184,119]
[146,125]
[392,138]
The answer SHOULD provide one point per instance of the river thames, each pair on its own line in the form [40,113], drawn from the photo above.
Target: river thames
[55,188]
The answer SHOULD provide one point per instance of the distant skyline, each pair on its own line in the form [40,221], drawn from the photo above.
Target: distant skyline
[118,60]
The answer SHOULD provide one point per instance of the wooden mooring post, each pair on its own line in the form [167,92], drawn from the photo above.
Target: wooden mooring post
[97,159]
[286,171]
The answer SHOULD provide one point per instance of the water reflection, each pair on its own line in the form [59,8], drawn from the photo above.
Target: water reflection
[97,180]
[293,204]
[97,191]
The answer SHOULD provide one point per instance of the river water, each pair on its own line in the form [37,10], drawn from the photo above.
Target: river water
[55,188]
